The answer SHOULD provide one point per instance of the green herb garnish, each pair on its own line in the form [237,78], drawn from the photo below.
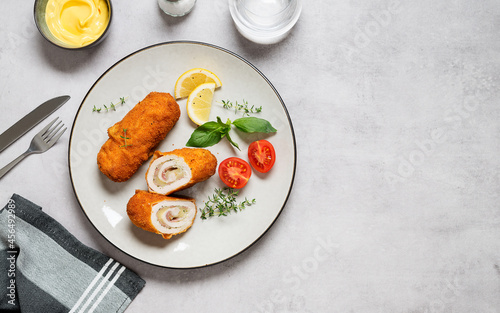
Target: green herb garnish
[241,107]
[254,125]
[221,204]
[112,106]
[125,138]
[212,132]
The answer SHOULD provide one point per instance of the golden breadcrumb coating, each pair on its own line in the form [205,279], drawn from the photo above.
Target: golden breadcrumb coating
[139,209]
[202,163]
[146,125]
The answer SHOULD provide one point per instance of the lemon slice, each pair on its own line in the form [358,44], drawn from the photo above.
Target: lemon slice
[188,81]
[199,103]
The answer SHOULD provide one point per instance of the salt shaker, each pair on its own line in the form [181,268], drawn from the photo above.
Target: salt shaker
[176,7]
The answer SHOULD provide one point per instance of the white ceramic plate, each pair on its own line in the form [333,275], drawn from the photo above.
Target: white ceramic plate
[156,68]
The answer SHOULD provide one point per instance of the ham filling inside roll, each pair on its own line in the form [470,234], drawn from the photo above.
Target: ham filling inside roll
[170,172]
[171,217]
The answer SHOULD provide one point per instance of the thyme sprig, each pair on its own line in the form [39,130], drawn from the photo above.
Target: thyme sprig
[227,104]
[125,139]
[112,106]
[221,204]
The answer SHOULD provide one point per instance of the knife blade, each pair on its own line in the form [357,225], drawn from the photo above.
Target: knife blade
[30,120]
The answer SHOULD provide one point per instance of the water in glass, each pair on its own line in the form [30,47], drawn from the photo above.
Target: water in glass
[265,21]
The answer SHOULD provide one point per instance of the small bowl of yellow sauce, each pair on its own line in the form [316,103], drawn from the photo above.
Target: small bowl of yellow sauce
[73,24]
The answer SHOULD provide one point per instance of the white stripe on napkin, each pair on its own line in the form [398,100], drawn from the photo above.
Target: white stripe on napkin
[96,279]
[96,291]
[110,284]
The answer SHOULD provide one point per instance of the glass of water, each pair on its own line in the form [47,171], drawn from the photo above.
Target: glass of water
[265,21]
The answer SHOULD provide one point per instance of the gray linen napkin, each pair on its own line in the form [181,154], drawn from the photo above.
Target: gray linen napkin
[46,269]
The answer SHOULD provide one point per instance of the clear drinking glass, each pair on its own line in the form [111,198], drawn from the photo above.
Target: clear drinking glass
[265,21]
[176,7]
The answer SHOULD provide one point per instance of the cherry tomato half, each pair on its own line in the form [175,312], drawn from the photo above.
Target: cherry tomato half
[235,172]
[261,155]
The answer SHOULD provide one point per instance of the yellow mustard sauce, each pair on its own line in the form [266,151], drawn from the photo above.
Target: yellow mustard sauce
[77,22]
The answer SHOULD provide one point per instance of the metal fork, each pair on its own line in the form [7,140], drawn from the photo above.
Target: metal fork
[42,142]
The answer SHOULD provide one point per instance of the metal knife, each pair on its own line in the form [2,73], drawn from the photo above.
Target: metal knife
[30,121]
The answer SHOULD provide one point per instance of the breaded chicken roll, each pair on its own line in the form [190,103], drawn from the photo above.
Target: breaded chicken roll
[133,139]
[161,214]
[179,169]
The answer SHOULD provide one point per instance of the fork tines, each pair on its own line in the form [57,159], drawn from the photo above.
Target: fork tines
[52,134]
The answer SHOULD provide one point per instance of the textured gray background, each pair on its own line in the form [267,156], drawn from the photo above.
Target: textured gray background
[395,206]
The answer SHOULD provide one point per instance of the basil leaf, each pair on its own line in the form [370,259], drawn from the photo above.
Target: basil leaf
[253,125]
[208,134]
[232,142]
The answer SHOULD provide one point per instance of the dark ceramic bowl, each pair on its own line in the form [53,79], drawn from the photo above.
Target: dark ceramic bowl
[41,24]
